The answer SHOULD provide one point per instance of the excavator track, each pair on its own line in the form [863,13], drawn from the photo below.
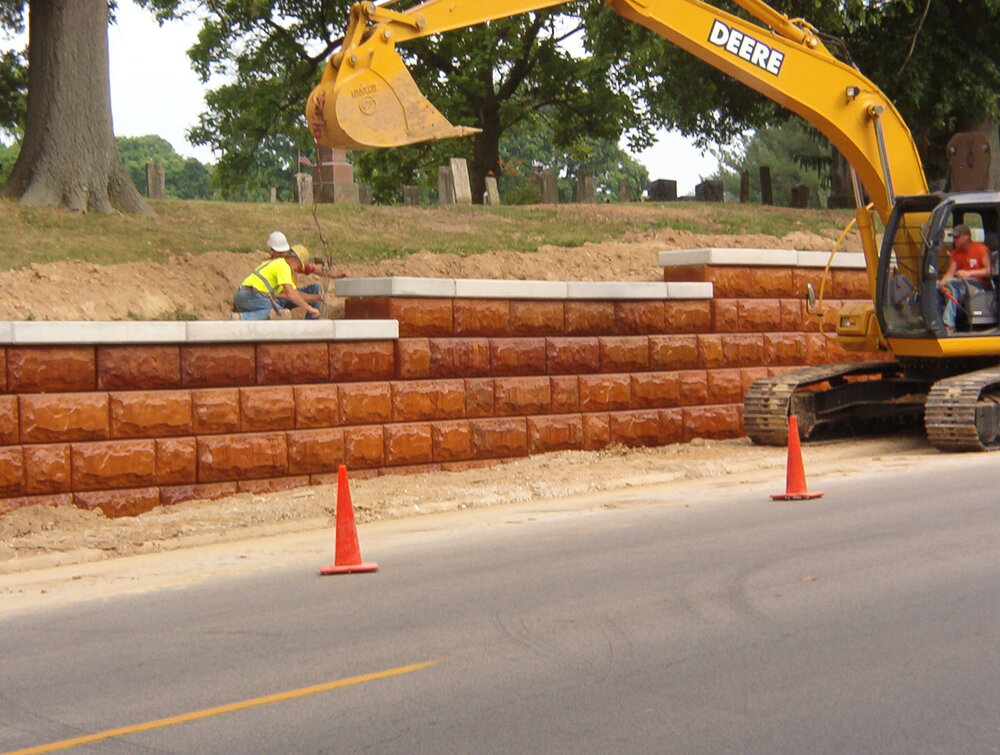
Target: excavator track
[963,412]
[844,407]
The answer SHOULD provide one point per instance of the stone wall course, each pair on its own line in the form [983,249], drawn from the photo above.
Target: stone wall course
[687,316]
[725,386]
[3,369]
[678,352]
[451,441]
[711,351]
[423,317]
[743,349]
[565,392]
[362,360]
[315,451]
[572,355]
[12,477]
[600,393]
[365,403]
[267,408]
[671,425]
[428,399]
[45,369]
[48,469]
[639,317]
[596,431]
[171,494]
[711,422]
[589,318]
[223,458]
[623,353]
[364,447]
[215,410]
[479,397]
[459,357]
[218,365]
[10,504]
[113,464]
[55,417]
[693,387]
[561,432]
[132,368]
[517,356]
[522,395]
[725,316]
[759,315]
[413,358]
[655,389]
[115,503]
[636,428]
[499,437]
[150,414]
[9,424]
[176,461]
[784,348]
[283,363]
[537,318]
[482,317]
[317,405]
[408,444]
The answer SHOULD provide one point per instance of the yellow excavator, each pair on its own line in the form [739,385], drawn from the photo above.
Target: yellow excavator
[367,99]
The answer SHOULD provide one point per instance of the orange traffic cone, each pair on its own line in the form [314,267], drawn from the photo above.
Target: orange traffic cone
[347,554]
[795,476]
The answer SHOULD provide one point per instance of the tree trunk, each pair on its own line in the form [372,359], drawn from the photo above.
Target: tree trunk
[485,156]
[68,155]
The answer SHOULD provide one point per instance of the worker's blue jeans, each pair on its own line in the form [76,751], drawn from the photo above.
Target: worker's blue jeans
[312,288]
[253,305]
[958,288]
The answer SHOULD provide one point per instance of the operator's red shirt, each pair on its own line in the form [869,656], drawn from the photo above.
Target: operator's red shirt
[975,256]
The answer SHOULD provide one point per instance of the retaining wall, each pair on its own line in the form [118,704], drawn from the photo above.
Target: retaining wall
[422,374]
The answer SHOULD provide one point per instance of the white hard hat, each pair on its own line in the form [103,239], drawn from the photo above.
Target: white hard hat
[278,242]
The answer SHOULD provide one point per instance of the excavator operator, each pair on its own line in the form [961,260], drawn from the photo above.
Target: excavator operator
[970,263]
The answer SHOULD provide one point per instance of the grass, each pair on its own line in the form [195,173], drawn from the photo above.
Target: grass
[365,234]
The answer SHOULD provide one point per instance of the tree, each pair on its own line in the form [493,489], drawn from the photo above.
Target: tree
[68,154]
[185,178]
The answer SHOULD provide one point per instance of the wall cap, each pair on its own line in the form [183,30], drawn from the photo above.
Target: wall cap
[759,258]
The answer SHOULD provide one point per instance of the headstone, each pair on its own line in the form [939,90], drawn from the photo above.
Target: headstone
[365,194]
[446,186]
[303,188]
[800,196]
[333,177]
[766,197]
[623,192]
[460,180]
[586,187]
[336,193]
[744,186]
[411,195]
[709,191]
[492,192]
[662,190]
[156,187]
[548,187]
[969,157]
[272,194]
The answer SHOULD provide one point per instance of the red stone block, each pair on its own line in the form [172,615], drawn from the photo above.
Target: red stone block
[267,408]
[499,438]
[368,308]
[565,391]
[365,403]
[561,432]
[215,410]
[698,273]
[151,414]
[479,396]
[624,353]
[655,389]
[673,352]
[113,464]
[423,317]
[604,392]
[362,360]
[743,349]
[731,282]
[639,317]
[596,431]
[315,451]
[711,422]
[49,369]
[272,485]
[711,352]
[791,315]
[460,357]
[413,358]
[48,418]
[3,369]
[590,318]
[517,356]
[816,349]
[537,318]
[218,365]
[671,425]
[850,284]
[279,363]
[802,276]
[482,317]
[364,447]
[132,368]
[176,461]
[725,386]
[750,374]
[687,316]
[428,399]
[12,477]
[47,469]
[636,428]
[238,457]
[8,421]
[451,440]
[20,502]
[524,395]
[693,387]
[116,503]
[725,316]
[759,315]
[784,348]
[773,282]
[572,355]
[317,405]
[172,494]
[409,443]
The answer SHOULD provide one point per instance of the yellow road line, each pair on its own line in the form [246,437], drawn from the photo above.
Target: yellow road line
[229,708]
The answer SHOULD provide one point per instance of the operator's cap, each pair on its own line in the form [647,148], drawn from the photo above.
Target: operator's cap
[960,230]
[300,252]
[277,242]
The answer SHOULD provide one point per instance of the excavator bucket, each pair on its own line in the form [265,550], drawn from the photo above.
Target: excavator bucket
[370,101]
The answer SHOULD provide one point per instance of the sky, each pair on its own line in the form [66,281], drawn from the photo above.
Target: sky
[162,95]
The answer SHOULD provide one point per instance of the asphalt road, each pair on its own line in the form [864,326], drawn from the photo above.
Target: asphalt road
[863,622]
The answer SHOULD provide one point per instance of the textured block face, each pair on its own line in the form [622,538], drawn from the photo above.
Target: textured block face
[459,357]
[11,504]
[687,316]
[362,360]
[635,428]
[711,422]
[201,492]
[451,441]
[176,461]
[50,369]
[759,315]
[556,433]
[236,457]
[267,408]
[49,418]
[47,469]
[537,318]
[413,358]
[749,375]
[113,464]
[422,317]
[565,394]
[816,349]
[697,273]
[427,400]
[730,282]
[115,503]
[218,365]
[365,403]
[655,389]
[8,420]
[624,353]
[368,308]
[292,363]
[639,317]
[130,368]
[526,395]
[850,284]
[791,314]
[711,352]
[694,387]
[517,356]
[784,348]
[151,414]
[317,405]
[216,410]
[12,476]
[673,352]
[567,356]
[604,392]
[315,451]
[743,349]
[364,447]
[3,369]
[725,316]
[671,425]
[725,386]
[499,438]
[589,318]
[409,443]
[773,282]
[479,395]
[596,431]
[482,317]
